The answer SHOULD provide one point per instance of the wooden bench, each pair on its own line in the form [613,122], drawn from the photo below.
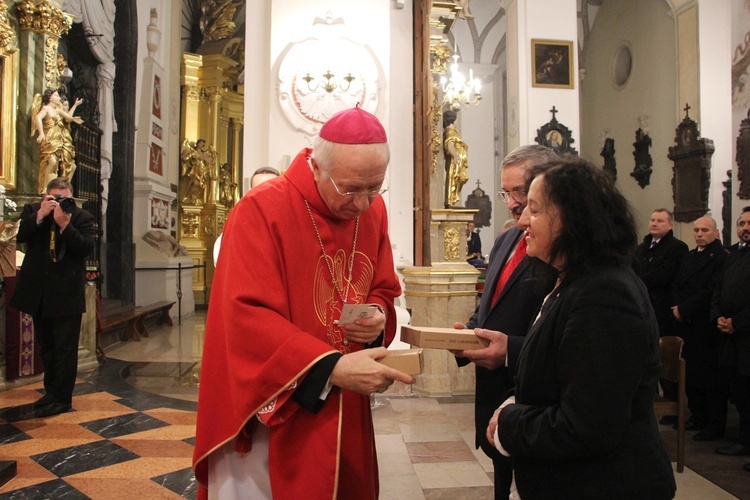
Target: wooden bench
[133,319]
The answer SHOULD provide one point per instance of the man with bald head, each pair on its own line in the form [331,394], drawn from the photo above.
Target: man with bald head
[692,290]
[284,408]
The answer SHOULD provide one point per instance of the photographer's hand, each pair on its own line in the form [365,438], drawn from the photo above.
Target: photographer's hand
[47,206]
[61,218]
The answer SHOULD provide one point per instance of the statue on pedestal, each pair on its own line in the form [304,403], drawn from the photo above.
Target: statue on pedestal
[51,120]
[456,160]
[226,186]
[195,172]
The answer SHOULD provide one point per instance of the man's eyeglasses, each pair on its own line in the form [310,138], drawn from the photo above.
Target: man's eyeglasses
[517,194]
[358,194]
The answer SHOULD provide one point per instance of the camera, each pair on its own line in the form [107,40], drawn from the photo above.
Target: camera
[67,205]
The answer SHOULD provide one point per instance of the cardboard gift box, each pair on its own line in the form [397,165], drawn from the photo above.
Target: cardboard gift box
[408,361]
[441,338]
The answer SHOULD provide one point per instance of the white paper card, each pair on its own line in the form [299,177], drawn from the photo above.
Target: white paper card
[352,312]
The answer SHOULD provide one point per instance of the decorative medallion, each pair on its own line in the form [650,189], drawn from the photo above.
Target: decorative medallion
[326,73]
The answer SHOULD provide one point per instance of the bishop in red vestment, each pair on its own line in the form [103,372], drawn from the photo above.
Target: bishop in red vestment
[279,377]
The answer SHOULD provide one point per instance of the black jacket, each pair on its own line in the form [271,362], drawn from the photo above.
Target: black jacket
[583,425]
[512,314]
[658,267]
[731,299]
[47,288]
[692,291]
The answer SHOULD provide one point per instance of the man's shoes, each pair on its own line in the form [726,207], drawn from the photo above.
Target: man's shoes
[51,409]
[734,450]
[44,400]
[691,425]
[668,420]
[746,467]
[708,436]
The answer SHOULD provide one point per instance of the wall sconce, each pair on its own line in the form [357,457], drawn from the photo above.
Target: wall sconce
[330,84]
[457,90]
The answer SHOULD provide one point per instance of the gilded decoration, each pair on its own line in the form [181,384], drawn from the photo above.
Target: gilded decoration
[452,243]
[221,219]
[191,92]
[217,19]
[213,94]
[208,225]
[441,54]
[50,62]
[436,111]
[190,223]
[44,18]
[7,35]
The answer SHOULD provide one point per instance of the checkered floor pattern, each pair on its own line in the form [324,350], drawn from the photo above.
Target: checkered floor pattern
[117,442]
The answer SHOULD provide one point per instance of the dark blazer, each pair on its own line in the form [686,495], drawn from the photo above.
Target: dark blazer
[512,314]
[692,290]
[474,245]
[53,289]
[583,425]
[657,268]
[731,299]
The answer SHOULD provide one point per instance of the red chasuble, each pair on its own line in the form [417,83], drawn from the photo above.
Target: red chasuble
[270,319]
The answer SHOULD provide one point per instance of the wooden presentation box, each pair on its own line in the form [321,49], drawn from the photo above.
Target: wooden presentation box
[408,361]
[441,338]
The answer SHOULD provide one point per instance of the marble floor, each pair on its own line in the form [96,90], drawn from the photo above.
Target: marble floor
[132,429]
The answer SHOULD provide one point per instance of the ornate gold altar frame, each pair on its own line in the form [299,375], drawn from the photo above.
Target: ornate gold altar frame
[8,82]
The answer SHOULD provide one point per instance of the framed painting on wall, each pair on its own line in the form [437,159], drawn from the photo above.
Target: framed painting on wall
[552,64]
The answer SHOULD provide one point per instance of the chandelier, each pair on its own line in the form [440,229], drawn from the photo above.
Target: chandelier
[457,90]
[330,84]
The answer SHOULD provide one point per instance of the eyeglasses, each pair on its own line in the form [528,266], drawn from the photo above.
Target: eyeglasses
[517,194]
[358,194]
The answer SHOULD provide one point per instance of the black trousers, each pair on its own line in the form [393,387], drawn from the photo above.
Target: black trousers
[503,476]
[708,408]
[58,340]
[740,390]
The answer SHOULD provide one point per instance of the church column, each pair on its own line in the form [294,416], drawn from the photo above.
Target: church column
[41,28]
[237,159]
[190,105]
[705,84]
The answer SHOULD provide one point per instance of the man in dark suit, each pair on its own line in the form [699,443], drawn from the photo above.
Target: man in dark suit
[513,292]
[51,286]
[474,246]
[730,310]
[692,290]
[659,258]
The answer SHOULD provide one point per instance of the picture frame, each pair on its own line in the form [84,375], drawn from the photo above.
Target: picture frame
[552,64]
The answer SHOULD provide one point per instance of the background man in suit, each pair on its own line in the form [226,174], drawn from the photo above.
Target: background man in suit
[730,309]
[691,293]
[659,258]
[473,246]
[51,286]
[512,295]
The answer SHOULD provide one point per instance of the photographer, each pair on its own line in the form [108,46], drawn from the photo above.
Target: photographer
[51,286]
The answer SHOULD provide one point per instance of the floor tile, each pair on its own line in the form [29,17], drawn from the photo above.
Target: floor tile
[77,459]
[451,475]
[439,451]
[124,424]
